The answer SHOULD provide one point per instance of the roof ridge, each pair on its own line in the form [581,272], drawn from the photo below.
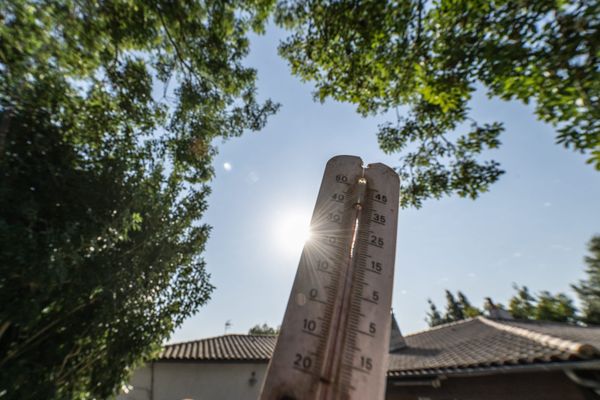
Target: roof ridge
[582,349]
[441,326]
[216,337]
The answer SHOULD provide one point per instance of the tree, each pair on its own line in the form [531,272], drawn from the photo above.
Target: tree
[521,305]
[263,329]
[468,310]
[588,289]
[454,311]
[430,57]
[558,308]
[104,179]
[434,318]
[544,307]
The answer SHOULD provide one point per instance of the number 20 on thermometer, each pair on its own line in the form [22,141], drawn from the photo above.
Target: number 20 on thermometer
[334,338]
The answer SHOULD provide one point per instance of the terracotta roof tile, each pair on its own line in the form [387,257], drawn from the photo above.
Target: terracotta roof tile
[228,347]
[477,343]
[482,342]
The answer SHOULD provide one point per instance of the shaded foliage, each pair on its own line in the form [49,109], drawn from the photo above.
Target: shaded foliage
[104,178]
[456,310]
[468,310]
[522,305]
[434,317]
[263,329]
[428,58]
[543,307]
[558,308]
[588,289]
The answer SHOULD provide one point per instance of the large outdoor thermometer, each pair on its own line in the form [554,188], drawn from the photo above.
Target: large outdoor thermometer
[335,334]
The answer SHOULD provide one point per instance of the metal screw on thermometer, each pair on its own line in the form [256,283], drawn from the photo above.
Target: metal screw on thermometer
[334,338]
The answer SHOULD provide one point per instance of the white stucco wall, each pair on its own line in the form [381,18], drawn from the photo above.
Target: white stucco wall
[196,381]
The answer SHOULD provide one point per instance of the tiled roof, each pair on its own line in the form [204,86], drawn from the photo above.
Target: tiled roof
[222,348]
[474,344]
[481,343]
[576,334]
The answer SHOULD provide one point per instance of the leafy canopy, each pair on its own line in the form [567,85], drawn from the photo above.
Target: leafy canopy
[108,115]
[523,305]
[429,58]
[263,329]
[456,310]
[543,307]
[588,289]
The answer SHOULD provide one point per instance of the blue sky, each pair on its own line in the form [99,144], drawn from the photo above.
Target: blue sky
[531,228]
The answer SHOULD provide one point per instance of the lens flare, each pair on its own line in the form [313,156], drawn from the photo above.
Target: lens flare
[292,231]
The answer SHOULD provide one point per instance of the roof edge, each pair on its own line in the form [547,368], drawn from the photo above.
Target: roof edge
[441,326]
[214,337]
[492,369]
[580,349]
[261,360]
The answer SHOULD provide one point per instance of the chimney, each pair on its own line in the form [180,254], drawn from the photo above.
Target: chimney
[397,341]
[495,312]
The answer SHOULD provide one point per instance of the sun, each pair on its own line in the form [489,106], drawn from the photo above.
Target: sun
[292,230]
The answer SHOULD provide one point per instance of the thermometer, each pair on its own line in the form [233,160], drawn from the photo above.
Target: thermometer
[334,338]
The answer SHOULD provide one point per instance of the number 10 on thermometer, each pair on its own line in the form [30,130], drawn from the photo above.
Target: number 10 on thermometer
[334,338]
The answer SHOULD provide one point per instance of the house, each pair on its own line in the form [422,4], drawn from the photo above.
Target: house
[479,358]
[224,367]
[484,358]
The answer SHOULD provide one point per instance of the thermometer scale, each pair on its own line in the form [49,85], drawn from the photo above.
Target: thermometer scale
[335,334]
